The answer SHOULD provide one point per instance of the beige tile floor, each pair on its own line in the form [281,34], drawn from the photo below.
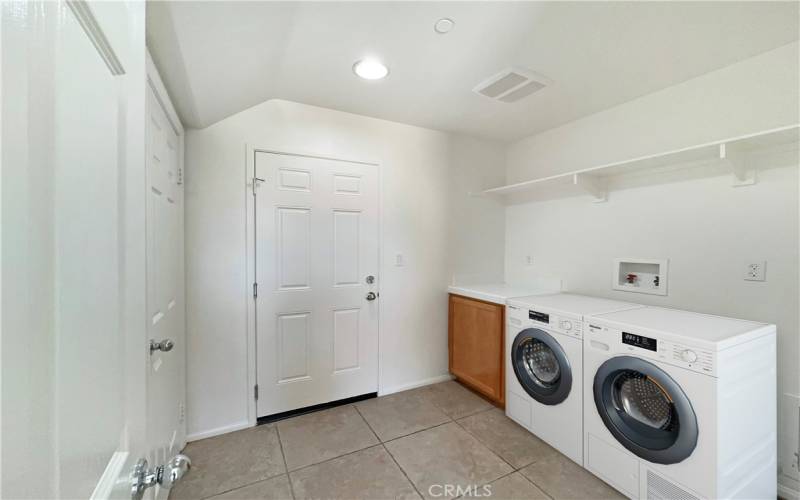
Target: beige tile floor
[406,445]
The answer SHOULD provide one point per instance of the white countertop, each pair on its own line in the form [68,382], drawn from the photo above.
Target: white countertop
[494,292]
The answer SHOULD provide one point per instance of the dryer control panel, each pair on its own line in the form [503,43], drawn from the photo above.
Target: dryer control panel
[546,320]
[658,349]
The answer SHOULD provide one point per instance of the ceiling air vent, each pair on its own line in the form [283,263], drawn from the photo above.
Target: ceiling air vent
[511,85]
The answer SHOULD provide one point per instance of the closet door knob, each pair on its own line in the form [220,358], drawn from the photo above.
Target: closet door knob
[165,345]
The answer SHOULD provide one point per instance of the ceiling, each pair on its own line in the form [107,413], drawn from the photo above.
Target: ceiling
[219,58]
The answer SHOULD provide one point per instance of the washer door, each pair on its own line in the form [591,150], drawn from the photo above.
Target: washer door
[645,409]
[541,366]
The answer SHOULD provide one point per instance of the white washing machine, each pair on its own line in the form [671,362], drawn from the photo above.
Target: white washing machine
[680,404]
[544,365]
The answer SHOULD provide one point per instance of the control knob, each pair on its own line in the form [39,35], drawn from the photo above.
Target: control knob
[566,325]
[689,356]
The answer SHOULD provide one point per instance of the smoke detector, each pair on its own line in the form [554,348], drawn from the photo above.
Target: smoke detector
[512,84]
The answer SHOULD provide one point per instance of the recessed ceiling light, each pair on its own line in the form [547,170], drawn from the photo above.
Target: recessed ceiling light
[443,25]
[370,69]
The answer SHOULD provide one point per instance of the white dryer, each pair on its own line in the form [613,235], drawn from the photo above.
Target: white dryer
[544,365]
[680,404]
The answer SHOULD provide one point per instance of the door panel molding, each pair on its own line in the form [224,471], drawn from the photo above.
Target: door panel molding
[83,13]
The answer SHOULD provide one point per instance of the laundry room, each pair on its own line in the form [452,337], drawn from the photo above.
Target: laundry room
[369,250]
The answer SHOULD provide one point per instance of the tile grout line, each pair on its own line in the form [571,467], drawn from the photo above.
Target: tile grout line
[285,465]
[417,432]
[495,453]
[450,419]
[245,485]
[536,460]
[534,483]
[433,402]
[334,458]
[402,470]
[513,468]
[366,422]
[383,445]
[493,481]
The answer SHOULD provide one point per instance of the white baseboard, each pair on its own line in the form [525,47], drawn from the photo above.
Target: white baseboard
[787,492]
[195,436]
[216,432]
[383,391]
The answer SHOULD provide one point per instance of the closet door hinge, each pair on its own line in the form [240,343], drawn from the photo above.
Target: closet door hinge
[255,392]
[257,182]
[255,290]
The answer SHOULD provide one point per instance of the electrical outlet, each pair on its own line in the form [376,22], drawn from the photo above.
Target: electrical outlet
[756,271]
[529,260]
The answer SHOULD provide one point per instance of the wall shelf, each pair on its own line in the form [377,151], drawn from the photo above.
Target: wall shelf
[593,181]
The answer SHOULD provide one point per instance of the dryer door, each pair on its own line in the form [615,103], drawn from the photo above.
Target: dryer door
[645,410]
[541,366]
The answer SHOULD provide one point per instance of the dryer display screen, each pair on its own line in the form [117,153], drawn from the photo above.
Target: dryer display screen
[537,316]
[639,341]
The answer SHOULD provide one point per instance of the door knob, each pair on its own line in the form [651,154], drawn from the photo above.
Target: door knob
[165,345]
[165,475]
[371,296]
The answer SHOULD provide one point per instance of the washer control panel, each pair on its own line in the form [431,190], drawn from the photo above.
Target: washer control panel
[659,349]
[556,322]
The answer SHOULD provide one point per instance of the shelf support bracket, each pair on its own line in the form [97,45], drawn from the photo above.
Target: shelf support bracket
[592,185]
[737,161]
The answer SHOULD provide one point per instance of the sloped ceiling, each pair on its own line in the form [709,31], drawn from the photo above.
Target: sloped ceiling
[219,58]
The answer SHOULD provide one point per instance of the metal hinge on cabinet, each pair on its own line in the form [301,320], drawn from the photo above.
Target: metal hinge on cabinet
[255,391]
[255,290]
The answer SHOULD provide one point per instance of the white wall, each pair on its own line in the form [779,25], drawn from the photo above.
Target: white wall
[477,231]
[418,168]
[707,228]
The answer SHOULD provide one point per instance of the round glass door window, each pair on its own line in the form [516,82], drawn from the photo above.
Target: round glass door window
[645,410]
[541,366]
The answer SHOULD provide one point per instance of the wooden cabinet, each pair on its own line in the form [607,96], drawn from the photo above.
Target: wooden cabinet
[475,336]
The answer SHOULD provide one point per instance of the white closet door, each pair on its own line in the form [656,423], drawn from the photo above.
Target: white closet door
[316,246]
[165,382]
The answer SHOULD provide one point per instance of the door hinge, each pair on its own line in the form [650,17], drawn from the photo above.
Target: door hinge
[256,181]
[255,290]
[255,391]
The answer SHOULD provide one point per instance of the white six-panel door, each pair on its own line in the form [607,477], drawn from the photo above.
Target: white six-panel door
[166,370]
[316,237]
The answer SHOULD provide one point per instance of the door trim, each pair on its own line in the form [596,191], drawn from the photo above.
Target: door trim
[250,258]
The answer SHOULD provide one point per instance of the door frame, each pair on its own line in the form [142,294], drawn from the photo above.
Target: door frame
[250,271]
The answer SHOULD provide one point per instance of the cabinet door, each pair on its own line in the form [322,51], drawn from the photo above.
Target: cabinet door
[476,345]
